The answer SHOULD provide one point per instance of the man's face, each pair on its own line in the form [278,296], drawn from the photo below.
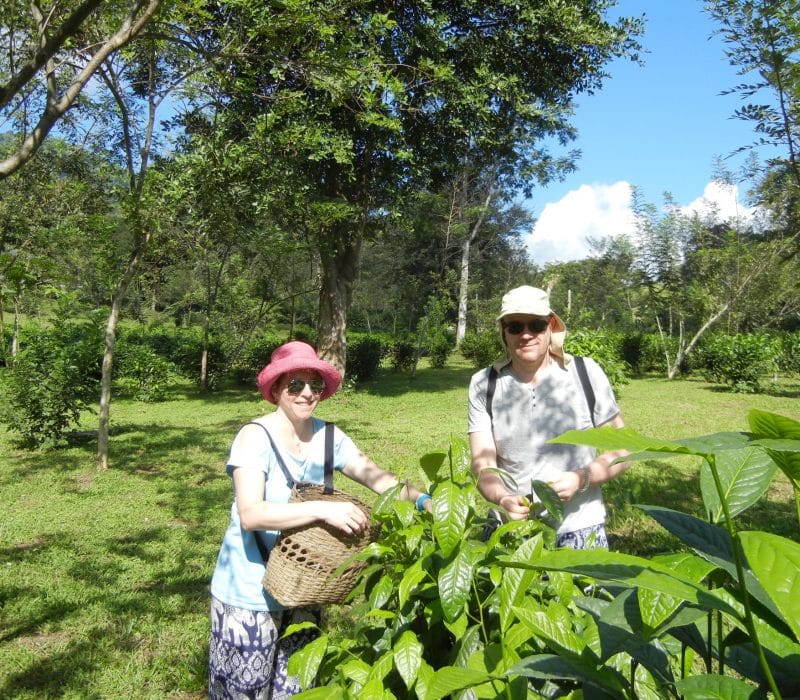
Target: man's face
[527,337]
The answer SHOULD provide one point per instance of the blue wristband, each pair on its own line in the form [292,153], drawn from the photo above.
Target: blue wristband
[421,500]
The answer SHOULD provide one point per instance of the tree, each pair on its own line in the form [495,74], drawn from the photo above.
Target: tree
[394,97]
[48,56]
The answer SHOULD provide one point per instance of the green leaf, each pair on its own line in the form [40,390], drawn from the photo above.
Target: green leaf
[431,463]
[381,593]
[775,561]
[554,626]
[551,667]
[305,662]
[516,582]
[455,581]
[449,679]
[322,693]
[627,569]
[549,499]
[772,425]
[408,657]
[408,584]
[710,542]
[450,512]
[714,687]
[745,476]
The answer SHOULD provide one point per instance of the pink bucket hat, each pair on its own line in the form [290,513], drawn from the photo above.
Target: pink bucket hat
[293,356]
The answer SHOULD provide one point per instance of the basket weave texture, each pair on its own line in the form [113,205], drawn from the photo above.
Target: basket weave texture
[302,562]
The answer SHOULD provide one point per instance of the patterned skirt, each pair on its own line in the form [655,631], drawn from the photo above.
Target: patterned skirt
[592,537]
[247,657]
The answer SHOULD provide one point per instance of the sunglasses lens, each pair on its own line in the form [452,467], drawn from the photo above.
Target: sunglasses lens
[296,386]
[536,326]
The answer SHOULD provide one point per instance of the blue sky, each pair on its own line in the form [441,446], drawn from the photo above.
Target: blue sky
[658,127]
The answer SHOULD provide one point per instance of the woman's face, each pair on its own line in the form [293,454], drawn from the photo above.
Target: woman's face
[298,392]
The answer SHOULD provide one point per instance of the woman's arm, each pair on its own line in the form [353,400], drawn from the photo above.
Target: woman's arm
[363,470]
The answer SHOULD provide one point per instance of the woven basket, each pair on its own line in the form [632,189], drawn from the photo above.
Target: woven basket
[302,562]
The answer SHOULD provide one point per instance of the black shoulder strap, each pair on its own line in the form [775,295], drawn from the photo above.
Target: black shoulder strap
[290,480]
[490,385]
[588,391]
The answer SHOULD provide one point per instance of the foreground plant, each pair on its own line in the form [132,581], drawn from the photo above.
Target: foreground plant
[448,615]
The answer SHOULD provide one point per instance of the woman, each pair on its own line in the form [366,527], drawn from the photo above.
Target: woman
[247,657]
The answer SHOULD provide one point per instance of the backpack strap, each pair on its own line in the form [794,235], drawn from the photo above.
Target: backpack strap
[583,375]
[588,391]
[290,480]
[490,386]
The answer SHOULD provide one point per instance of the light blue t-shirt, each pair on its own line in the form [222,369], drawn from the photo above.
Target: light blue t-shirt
[240,568]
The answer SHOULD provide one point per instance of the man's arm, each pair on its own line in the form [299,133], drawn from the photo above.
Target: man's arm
[490,483]
[600,470]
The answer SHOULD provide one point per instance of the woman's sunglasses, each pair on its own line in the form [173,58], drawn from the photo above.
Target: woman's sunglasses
[296,386]
[535,326]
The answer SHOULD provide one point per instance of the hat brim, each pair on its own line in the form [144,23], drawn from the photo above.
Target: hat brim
[275,370]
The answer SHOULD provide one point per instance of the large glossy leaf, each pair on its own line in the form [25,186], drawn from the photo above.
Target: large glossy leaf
[408,584]
[551,667]
[709,541]
[745,475]
[628,570]
[620,628]
[516,582]
[450,512]
[431,463]
[775,561]
[773,432]
[609,438]
[449,679]
[714,687]
[554,626]
[322,693]
[455,581]
[408,657]
[772,425]
[549,499]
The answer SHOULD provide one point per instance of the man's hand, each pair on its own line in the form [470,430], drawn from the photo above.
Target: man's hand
[517,507]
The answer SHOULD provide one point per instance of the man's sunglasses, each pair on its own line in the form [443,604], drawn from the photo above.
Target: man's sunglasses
[535,326]
[296,386]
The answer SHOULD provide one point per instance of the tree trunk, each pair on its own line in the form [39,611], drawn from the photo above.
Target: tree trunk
[339,266]
[463,287]
[108,351]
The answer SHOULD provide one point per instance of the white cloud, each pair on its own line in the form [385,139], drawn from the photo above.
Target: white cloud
[600,211]
[596,210]
[720,203]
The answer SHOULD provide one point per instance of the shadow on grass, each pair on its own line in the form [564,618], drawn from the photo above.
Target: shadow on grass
[124,600]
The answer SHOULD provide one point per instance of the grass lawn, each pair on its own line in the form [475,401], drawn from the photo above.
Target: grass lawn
[104,575]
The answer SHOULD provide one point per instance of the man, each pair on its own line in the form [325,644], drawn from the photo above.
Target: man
[537,396]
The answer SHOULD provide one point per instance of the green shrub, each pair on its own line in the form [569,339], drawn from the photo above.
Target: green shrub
[442,612]
[364,354]
[789,358]
[739,361]
[403,354]
[140,372]
[482,349]
[603,348]
[55,376]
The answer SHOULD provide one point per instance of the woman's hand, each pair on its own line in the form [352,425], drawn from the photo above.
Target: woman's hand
[567,485]
[344,516]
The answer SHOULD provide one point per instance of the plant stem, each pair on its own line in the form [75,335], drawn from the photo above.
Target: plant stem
[738,558]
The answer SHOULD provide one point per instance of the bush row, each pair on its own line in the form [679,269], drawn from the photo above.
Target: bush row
[57,372]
